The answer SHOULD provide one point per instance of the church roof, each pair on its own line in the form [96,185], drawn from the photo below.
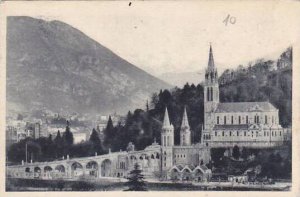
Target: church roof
[245,107]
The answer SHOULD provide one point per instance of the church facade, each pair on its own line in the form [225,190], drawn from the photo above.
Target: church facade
[242,124]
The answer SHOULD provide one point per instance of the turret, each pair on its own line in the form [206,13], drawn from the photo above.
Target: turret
[185,132]
[167,131]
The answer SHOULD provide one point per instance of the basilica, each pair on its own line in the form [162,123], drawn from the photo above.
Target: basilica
[242,124]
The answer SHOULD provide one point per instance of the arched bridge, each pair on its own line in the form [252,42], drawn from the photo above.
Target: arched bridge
[116,164]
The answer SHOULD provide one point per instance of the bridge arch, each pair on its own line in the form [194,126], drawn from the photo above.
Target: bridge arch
[60,168]
[37,172]
[47,169]
[48,172]
[60,171]
[175,173]
[106,168]
[198,174]
[187,174]
[76,169]
[37,169]
[92,168]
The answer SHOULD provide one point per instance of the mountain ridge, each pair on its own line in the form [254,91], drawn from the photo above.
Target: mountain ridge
[52,65]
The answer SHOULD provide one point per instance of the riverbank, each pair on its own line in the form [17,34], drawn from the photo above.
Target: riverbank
[13,184]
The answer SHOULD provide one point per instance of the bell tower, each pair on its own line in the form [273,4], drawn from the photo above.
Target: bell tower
[211,91]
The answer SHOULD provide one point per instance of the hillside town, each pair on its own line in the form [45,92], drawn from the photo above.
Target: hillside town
[227,147]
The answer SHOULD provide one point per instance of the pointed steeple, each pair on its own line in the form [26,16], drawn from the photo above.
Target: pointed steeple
[211,63]
[166,122]
[185,121]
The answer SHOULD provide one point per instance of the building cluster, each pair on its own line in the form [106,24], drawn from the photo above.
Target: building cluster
[17,130]
[226,125]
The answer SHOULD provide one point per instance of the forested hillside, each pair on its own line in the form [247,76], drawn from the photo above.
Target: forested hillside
[264,80]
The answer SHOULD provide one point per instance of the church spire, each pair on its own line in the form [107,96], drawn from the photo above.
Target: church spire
[166,122]
[211,63]
[185,121]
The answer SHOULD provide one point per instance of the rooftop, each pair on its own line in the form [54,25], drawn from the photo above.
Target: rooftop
[245,107]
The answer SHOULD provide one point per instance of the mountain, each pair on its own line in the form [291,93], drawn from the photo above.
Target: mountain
[180,79]
[51,65]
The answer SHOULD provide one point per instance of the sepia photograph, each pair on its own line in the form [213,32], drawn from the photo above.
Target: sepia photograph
[148,96]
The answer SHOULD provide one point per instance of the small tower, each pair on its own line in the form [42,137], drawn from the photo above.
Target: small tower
[211,91]
[185,132]
[167,132]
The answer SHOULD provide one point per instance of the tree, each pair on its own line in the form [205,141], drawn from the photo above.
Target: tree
[245,153]
[109,125]
[236,152]
[59,145]
[136,180]
[96,142]
[109,134]
[68,135]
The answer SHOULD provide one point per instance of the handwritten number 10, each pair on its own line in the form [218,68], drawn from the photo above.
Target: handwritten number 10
[229,19]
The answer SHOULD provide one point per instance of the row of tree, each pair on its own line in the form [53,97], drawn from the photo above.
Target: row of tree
[49,148]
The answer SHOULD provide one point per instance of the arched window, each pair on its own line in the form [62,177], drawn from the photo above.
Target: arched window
[239,119]
[224,119]
[222,133]
[218,120]
[230,133]
[231,119]
[246,119]
[208,93]
[211,94]
[266,119]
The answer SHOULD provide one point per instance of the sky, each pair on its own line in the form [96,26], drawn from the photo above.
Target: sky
[171,36]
